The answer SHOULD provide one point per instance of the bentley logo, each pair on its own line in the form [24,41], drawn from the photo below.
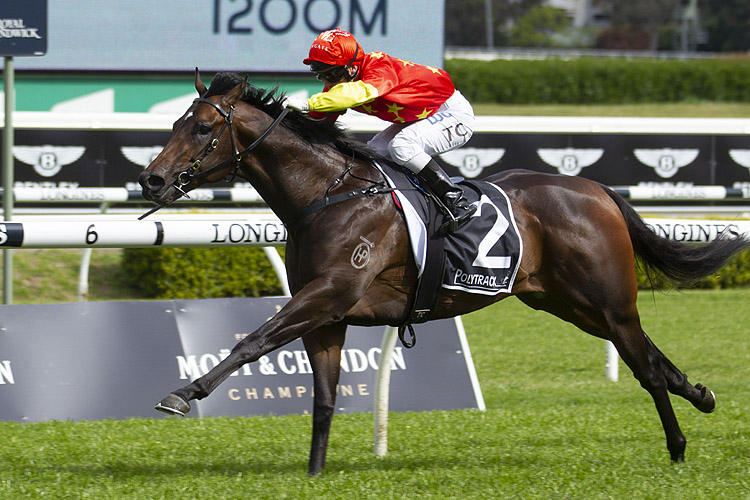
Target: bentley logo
[48,160]
[141,155]
[569,161]
[741,156]
[666,161]
[471,161]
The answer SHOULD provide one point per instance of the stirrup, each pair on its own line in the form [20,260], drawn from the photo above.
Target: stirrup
[454,221]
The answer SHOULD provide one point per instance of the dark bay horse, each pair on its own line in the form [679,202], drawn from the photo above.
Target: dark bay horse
[580,241]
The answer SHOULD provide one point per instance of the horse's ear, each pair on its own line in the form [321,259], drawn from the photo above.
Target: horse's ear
[235,94]
[199,85]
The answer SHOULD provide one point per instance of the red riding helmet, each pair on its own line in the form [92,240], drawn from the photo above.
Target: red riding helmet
[335,47]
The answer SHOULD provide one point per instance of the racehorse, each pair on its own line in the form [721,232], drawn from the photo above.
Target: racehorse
[580,240]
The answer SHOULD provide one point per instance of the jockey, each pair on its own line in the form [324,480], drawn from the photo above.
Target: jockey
[428,115]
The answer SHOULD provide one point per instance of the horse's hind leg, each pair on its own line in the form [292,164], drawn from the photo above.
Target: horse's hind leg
[323,348]
[621,325]
[631,344]
[678,384]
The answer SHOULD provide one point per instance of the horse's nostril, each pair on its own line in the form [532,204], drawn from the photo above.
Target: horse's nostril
[151,181]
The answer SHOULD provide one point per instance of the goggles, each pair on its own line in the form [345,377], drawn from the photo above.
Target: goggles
[331,73]
[334,74]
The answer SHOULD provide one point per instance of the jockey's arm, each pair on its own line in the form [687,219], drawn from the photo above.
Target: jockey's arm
[343,96]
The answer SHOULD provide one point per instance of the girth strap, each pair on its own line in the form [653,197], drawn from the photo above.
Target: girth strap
[429,284]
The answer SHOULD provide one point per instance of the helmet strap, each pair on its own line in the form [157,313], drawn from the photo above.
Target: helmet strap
[350,76]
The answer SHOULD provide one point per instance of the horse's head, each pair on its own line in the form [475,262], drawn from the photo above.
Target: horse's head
[202,139]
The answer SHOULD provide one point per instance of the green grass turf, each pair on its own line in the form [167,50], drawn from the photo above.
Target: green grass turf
[554,428]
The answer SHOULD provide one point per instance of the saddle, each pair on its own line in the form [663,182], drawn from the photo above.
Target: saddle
[481,256]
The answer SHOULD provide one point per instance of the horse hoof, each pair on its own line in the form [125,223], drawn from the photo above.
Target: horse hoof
[678,458]
[173,405]
[708,402]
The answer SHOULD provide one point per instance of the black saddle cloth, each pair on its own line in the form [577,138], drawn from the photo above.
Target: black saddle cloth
[482,256]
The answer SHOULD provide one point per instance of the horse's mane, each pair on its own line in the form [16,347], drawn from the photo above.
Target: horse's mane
[313,131]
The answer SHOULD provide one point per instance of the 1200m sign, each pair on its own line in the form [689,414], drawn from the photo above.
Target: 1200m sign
[281,16]
[232,35]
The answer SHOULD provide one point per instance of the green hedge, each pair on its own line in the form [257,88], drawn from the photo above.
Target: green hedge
[601,80]
[189,273]
[198,273]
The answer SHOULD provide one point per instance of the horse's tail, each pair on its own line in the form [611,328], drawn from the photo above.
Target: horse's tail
[681,263]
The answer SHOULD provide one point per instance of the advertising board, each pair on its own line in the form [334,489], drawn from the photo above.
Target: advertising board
[53,158]
[613,159]
[102,360]
[23,28]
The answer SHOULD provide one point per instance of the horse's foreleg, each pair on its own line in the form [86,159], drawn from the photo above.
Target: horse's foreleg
[249,349]
[307,311]
[324,351]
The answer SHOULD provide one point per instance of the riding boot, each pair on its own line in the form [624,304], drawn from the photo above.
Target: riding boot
[450,194]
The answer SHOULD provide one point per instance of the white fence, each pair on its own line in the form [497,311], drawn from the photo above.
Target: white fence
[211,230]
[357,122]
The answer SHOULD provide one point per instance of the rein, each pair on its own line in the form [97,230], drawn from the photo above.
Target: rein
[195,172]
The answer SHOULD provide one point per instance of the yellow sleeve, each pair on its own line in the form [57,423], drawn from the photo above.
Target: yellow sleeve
[343,96]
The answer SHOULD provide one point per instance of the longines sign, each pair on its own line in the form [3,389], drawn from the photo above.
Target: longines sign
[117,359]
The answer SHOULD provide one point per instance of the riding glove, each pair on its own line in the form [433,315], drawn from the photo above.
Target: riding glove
[295,103]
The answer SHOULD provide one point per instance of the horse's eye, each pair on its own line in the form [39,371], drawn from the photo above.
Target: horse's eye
[202,129]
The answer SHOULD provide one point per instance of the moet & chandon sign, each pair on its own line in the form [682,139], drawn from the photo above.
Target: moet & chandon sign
[47,371]
[23,28]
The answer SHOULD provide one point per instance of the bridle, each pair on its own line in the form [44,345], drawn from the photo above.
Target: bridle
[194,171]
